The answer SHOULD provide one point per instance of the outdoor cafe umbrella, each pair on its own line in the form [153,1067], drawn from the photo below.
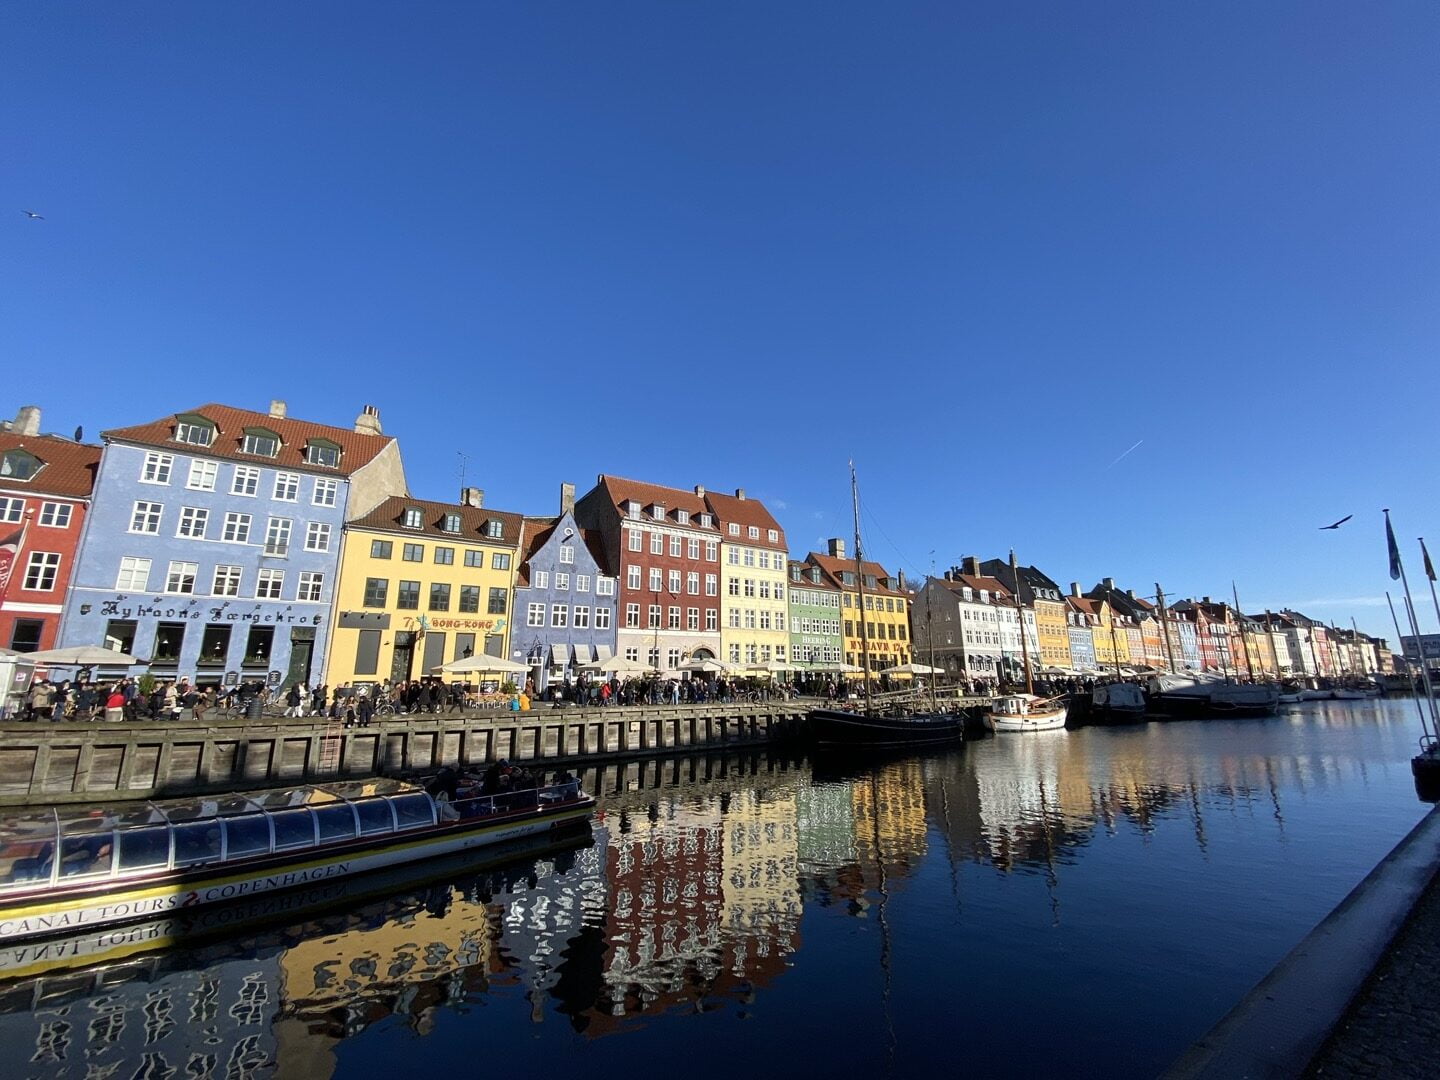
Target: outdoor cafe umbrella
[83,656]
[619,665]
[705,666]
[911,669]
[476,665]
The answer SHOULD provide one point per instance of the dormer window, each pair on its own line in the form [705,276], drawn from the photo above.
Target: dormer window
[794,573]
[195,430]
[19,465]
[494,529]
[870,581]
[632,508]
[847,577]
[773,535]
[657,512]
[452,523]
[260,442]
[815,574]
[414,518]
[682,517]
[706,521]
[969,593]
[324,454]
[734,529]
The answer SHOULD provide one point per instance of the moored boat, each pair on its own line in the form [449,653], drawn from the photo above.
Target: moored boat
[842,727]
[63,870]
[1204,695]
[1026,712]
[1117,703]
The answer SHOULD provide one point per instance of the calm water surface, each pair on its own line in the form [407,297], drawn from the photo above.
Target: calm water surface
[1066,903]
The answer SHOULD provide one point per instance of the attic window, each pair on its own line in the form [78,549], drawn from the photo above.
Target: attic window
[414,518]
[706,521]
[260,442]
[682,517]
[325,454]
[870,581]
[734,529]
[632,508]
[794,573]
[195,430]
[815,574]
[657,512]
[19,465]
[452,523]
[848,577]
[773,535]
[494,529]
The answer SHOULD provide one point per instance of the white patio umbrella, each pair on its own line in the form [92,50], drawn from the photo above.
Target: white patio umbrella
[911,669]
[619,665]
[476,665]
[705,666]
[84,656]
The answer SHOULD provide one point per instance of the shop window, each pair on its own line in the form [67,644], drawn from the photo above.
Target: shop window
[258,645]
[214,646]
[168,639]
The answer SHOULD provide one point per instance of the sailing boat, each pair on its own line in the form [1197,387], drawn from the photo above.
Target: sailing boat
[1025,712]
[870,727]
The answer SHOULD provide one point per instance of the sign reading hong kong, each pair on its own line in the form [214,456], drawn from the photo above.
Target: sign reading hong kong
[124,608]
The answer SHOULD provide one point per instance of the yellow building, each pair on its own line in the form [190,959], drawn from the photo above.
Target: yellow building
[753,608]
[422,583]
[886,614]
[1112,645]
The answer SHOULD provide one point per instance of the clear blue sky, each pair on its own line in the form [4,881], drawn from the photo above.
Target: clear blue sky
[981,249]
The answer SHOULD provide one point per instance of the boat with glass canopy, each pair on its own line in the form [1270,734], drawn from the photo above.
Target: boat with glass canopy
[69,868]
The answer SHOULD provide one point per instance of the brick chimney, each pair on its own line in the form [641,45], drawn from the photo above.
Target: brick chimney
[740,494]
[27,421]
[475,497]
[368,422]
[567,498]
[836,547]
[970,565]
[277,409]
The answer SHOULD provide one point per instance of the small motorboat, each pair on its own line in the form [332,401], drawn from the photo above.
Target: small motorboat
[1117,703]
[1291,697]
[1026,712]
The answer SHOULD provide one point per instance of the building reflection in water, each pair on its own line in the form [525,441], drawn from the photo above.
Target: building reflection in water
[690,898]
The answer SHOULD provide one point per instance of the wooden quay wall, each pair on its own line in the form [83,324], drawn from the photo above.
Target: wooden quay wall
[43,763]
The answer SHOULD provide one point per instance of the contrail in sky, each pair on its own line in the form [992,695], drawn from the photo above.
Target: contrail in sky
[1122,456]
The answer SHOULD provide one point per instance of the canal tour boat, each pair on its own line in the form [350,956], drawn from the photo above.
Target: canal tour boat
[139,862]
[1026,712]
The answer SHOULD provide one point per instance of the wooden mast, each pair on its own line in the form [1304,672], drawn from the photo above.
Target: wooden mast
[1020,620]
[1244,641]
[1165,626]
[860,585]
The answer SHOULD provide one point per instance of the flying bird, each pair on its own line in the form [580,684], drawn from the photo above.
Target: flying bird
[1337,524]
[32,215]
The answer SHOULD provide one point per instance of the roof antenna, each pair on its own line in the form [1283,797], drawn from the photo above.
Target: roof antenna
[464,460]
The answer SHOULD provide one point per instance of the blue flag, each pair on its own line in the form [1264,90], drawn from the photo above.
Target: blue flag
[1394,549]
[1429,566]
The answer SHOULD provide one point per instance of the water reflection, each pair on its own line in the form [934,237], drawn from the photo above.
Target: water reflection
[699,884]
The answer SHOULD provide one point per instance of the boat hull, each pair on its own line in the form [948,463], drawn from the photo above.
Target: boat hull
[839,727]
[1049,720]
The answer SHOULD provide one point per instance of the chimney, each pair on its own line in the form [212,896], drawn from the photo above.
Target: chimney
[699,491]
[1204,600]
[836,547]
[949,575]
[1075,589]
[368,422]
[1108,582]
[27,421]
[277,409]
[475,497]
[567,498]
[740,494]
[902,579]
[1130,593]
[970,564]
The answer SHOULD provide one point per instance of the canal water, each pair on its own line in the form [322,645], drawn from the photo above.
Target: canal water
[1080,903]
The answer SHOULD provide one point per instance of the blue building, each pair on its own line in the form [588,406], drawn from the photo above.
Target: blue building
[213,539]
[1079,623]
[564,597]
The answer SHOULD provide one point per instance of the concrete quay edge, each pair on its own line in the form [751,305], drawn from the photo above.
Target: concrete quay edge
[1277,1029]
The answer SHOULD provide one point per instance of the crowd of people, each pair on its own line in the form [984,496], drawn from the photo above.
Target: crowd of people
[124,699]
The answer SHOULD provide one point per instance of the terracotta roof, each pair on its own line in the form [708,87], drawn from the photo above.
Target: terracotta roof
[805,583]
[745,513]
[536,532]
[835,567]
[1082,605]
[69,467]
[356,449]
[958,582]
[389,516]
[621,490]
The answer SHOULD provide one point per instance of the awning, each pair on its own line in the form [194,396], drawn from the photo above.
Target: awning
[559,655]
[584,654]
[603,653]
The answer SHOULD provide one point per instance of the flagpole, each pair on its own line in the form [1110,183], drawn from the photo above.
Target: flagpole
[1397,569]
[1400,640]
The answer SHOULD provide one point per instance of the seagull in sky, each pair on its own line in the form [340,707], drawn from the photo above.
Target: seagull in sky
[1337,524]
[32,215]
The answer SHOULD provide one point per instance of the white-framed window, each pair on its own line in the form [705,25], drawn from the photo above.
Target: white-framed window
[559,614]
[749,586]
[145,518]
[542,579]
[268,584]
[764,589]
[654,613]
[41,570]
[765,560]
[237,528]
[636,541]
[277,536]
[712,620]
[632,616]
[180,577]
[202,475]
[317,536]
[157,467]
[193,520]
[414,518]
[134,575]
[692,583]
[632,653]
[567,554]
[322,454]
[246,480]
[712,551]
[12,510]
[682,517]
[734,653]
[692,618]
[581,617]
[287,487]
[326,492]
[562,581]
[226,581]
[692,548]
[261,444]
[773,535]
[675,545]
[749,559]
[582,582]
[604,586]
[55,515]
[673,580]
[632,577]
[673,618]
[535,615]
[195,433]
[764,619]
[451,523]
[312,583]
[734,618]
[657,543]
[753,532]
[734,529]
[712,585]
[602,618]
[732,556]
[656,579]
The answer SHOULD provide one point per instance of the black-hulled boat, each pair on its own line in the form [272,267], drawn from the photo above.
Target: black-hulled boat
[841,727]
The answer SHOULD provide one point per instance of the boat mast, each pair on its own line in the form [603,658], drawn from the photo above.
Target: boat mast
[1020,619]
[860,585]
[1165,627]
[1357,653]
[930,634]
[1114,644]
[1244,641]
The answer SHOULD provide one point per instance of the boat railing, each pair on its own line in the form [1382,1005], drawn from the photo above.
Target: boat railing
[99,847]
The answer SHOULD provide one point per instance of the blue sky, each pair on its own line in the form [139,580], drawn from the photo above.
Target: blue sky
[981,249]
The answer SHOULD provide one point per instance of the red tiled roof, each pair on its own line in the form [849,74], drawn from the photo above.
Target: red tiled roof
[390,516]
[356,449]
[1081,604]
[835,567]
[69,467]
[824,583]
[536,532]
[621,491]
[745,513]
